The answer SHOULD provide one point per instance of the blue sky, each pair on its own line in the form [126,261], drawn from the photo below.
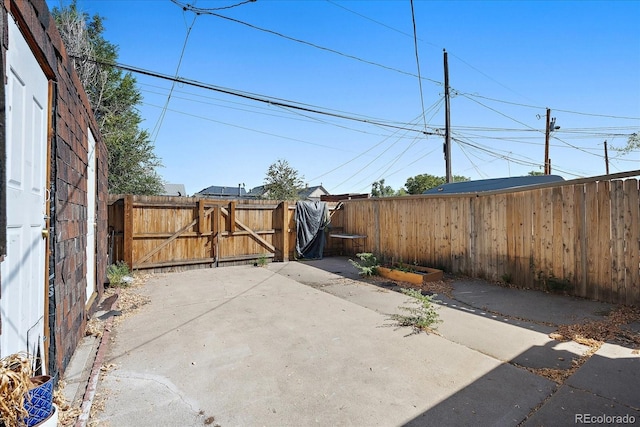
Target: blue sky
[508,62]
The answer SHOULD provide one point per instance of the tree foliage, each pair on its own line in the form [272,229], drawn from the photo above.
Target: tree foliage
[419,183]
[535,173]
[378,189]
[633,143]
[114,98]
[283,182]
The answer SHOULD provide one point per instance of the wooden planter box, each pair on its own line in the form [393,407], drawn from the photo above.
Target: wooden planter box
[422,274]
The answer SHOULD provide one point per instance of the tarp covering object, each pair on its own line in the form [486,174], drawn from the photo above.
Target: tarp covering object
[311,220]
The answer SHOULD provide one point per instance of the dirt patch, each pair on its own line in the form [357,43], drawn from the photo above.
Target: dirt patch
[440,287]
[594,333]
[610,329]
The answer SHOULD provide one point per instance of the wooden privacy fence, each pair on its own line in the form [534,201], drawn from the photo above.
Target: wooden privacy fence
[158,232]
[581,238]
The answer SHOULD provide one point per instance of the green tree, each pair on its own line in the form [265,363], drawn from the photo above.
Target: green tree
[419,183]
[378,189]
[114,98]
[535,173]
[633,143]
[283,182]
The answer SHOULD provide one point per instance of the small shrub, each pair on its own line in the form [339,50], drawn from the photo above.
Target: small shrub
[119,274]
[507,278]
[423,317]
[262,261]
[368,264]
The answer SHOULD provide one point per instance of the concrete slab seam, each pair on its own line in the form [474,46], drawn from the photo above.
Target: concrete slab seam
[90,392]
[617,402]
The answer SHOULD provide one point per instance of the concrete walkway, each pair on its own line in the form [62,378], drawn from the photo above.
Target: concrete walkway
[302,343]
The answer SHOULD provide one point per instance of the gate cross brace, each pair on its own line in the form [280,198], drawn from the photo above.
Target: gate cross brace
[250,231]
[171,239]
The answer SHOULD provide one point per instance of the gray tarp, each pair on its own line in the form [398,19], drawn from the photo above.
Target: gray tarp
[311,220]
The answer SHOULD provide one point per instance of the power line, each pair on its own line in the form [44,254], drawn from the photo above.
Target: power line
[253,108]
[206,10]
[247,129]
[251,96]
[304,42]
[371,19]
[466,95]
[156,129]
[436,107]
[415,141]
[415,45]
[357,157]
[501,113]
[429,43]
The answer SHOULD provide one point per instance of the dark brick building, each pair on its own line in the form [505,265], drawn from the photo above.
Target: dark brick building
[53,204]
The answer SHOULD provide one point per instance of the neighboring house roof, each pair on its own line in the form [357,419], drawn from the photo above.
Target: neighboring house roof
[314,192]
[257,192]
[174,190]
[223,191]
[493,184]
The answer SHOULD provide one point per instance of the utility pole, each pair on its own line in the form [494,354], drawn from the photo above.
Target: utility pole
[606,156]
[447,121]
[547,163]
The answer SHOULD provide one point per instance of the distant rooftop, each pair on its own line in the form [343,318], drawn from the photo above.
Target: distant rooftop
[223,191]
[493,184]
[174,190]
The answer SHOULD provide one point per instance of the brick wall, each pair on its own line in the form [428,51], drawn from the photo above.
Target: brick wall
[72,120]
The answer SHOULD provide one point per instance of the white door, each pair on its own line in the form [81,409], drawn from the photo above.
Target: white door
[91,216]
[22,301]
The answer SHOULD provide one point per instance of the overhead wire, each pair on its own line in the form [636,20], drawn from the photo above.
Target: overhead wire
[359,155]
[254,97]
[462,149]
[267,107]
[415,45]
[156,129]
[202,10]
[436,108]
[247,128]
[286,114]
[529,162]
[304,42]
[479,71]
[372,161]
[427,42]
[475,95]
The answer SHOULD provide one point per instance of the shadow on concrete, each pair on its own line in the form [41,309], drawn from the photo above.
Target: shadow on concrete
[602,387]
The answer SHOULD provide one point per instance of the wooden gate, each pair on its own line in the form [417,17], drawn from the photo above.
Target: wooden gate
[159,232]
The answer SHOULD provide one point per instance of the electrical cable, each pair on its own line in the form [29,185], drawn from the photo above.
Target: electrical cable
[415,46]
[246,128]
[462,149]
[359,155]
[326,49]
[156,129]
[543,108]
[204,10]
[250,96]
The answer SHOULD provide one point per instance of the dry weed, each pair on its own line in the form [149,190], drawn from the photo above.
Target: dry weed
[15,381]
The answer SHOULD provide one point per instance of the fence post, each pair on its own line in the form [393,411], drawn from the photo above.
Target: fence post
[202,224]
[231,228]
[128,230]
[285,231]
[281,238]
